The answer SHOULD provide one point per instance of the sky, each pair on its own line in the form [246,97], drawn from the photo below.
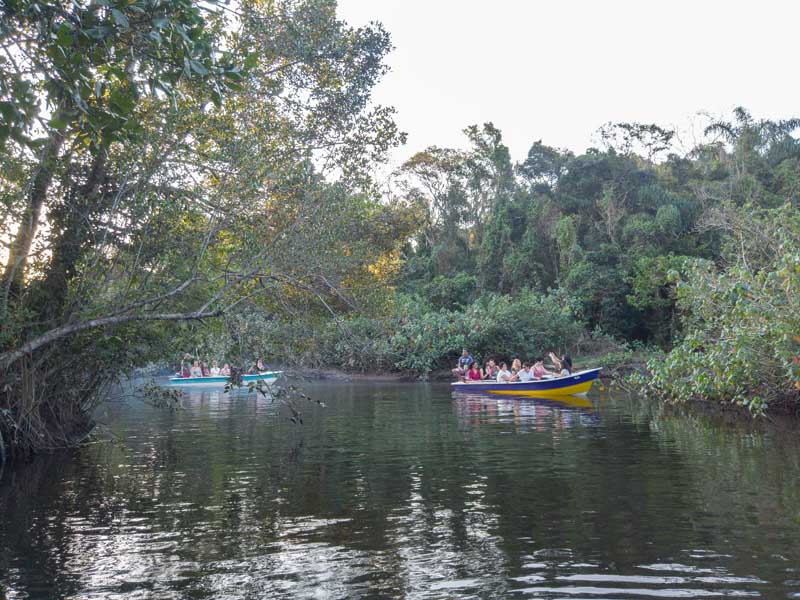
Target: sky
[557,70]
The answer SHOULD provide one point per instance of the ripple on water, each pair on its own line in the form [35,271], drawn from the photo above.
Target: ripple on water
[405,492]
[558,577]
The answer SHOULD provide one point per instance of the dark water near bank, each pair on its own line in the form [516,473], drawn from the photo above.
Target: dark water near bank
[402,491]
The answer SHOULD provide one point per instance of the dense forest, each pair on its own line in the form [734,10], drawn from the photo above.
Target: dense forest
[183,175]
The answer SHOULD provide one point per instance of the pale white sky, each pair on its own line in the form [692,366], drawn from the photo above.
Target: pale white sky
[557,70]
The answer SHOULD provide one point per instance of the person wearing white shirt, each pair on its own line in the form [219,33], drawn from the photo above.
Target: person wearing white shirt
[503,375]
[525,373]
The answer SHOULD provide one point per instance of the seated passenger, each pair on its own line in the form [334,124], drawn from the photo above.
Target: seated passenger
[196,371]
[474,373]
[225,371]
[205,369]
[214,369]
[257,367]
[490,372]
[566,365]
[516,365]
[186,365]
[538,368]
[503,375]
[525,373]
[563,364]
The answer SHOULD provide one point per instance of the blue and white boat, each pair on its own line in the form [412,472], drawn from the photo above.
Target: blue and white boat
[220,381]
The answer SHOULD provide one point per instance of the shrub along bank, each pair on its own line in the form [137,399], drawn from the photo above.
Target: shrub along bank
[742,340]
[419,339]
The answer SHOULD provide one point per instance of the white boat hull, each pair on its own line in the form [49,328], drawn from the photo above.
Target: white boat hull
[219,381]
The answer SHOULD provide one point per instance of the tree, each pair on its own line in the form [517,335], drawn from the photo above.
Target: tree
[74,74]
[261,199]
[633,138]
[544,165]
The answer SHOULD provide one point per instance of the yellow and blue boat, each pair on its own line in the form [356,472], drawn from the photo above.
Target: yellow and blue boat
[576,384]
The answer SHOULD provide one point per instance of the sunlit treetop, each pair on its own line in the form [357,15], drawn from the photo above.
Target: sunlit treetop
[84,66]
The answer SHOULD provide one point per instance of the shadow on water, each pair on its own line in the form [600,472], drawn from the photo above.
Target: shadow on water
[402,490]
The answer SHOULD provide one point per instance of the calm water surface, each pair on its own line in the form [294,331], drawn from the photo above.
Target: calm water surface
[400,490]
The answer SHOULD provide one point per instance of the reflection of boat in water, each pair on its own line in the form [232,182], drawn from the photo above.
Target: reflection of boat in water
[266,376]
[526,413]
[569,385]
[564,401]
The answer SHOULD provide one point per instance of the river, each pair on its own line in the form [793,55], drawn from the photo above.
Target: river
[401,490]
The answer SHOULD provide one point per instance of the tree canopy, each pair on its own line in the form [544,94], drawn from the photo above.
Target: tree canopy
[175,161]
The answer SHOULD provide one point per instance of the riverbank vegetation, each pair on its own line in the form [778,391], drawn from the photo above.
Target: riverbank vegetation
[180,175]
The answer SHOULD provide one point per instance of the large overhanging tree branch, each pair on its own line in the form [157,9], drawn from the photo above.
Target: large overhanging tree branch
[7,358]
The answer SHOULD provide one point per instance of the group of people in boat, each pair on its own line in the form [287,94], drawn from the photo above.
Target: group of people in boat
[191,367]
[468,370]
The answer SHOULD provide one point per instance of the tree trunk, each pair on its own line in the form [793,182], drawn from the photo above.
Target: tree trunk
[20,248]
[72,236]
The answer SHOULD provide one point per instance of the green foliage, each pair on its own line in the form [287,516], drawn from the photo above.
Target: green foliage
[544,165]
[450,292]
[89,65]
[421,341]
[653,283]
[585,223]
[496,246]
[741,344]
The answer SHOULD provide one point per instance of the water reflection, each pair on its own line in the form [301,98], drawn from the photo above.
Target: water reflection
[218,400]
[405,491]
[525,413]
